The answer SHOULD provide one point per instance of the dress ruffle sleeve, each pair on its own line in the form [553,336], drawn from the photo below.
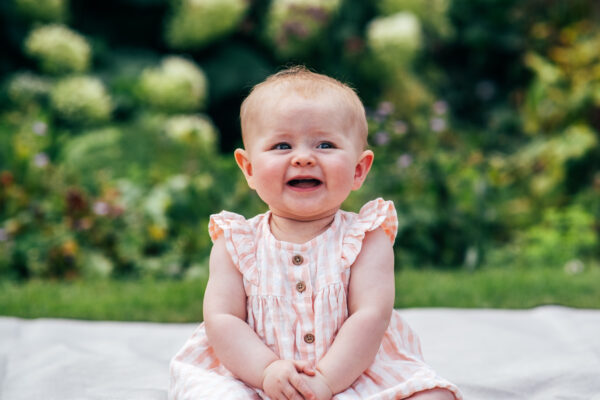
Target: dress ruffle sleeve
[239,241]
[375,214]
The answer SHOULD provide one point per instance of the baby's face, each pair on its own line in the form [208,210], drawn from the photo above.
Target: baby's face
[303,156]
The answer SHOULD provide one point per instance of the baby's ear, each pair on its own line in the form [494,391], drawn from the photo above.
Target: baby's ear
[363,166]
[242,160]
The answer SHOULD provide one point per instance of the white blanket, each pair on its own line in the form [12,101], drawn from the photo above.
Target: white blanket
[543,353]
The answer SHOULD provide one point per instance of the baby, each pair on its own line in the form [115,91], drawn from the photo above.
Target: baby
[299,303]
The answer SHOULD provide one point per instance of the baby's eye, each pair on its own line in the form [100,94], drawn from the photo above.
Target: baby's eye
[282,146]
[325,145]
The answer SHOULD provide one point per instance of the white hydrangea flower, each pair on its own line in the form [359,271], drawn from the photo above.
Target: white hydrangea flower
[58,49]
[177,85]
[195,23]
[81,99]
[192,129]
[24,87]
[433,13]
[395,39]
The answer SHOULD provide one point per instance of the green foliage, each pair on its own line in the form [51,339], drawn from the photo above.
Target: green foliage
[91,150]
[43,10]
[58,49]
[483,116]
[563,238]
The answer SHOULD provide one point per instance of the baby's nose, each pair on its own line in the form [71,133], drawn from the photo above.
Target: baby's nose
[303,158]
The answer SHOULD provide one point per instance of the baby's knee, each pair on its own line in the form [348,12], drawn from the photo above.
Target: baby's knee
[433,394]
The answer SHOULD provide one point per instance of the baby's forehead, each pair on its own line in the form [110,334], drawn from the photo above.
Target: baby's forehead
[273,93]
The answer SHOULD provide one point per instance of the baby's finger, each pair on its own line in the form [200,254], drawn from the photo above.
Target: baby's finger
[305,367]
[302,387]
[291,393]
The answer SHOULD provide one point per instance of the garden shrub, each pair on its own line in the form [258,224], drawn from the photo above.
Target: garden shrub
[483,115]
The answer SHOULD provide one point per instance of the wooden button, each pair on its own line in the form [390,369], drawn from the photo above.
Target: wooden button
[309,338]
[297,259]
[300,286]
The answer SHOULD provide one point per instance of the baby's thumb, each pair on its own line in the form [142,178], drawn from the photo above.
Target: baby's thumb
[304,367]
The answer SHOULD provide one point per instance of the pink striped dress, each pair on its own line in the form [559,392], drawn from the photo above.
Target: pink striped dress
[296,303]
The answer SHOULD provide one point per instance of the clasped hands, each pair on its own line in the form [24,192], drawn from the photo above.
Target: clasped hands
[294,380]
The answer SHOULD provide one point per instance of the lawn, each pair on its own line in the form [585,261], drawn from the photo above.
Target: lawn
[181,301]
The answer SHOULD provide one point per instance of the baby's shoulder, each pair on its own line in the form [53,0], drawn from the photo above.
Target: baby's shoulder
[378,213]
[373,215]
[232,224]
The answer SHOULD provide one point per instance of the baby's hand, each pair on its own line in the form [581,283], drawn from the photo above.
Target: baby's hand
[282,380]
[318,385]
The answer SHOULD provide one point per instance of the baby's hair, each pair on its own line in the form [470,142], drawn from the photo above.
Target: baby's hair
[300,80]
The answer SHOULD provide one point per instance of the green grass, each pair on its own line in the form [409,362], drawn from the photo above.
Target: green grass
[498,288]
[181,301]
[158,301]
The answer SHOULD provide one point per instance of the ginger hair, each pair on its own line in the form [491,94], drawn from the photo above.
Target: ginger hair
[301,81]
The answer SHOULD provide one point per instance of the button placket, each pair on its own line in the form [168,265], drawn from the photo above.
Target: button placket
[299,274]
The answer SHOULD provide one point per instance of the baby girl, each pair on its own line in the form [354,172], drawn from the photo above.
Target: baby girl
[299,303]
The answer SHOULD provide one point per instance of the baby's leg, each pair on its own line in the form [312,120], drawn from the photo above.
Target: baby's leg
[433,394]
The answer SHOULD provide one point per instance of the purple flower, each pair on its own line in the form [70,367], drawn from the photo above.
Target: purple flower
[382,138]
[400,127]
[440,107]
[404,161]
[101,208]
[317,13]
[378,118]
[437,124]
[295,28]
[40,128]
[41,160]
[385,108]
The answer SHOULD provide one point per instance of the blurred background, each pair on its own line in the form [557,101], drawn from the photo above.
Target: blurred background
[118,119]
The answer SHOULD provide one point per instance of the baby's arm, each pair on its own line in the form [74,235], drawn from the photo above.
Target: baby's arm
[370,305]
[236,345]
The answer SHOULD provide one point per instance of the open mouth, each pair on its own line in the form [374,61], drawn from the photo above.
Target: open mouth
[304,183]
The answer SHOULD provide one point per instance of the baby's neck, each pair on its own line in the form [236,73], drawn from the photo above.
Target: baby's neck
[297,231]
